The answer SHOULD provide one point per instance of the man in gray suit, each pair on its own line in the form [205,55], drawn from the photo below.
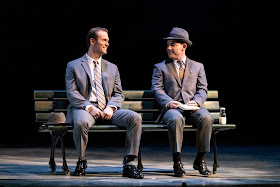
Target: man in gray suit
[95,93]
[177,81]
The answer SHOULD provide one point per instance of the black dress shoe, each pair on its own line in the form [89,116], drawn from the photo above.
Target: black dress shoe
[200,165]
[80,168]
[131,171]
[179,169]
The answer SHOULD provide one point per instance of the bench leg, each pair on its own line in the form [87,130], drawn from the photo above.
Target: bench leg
[64,167]
[140,166]
[54,137]
[216,164]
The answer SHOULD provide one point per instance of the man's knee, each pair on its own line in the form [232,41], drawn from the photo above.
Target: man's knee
[82,120]
[136,118]
[174,118]
[80,123]
[206,121]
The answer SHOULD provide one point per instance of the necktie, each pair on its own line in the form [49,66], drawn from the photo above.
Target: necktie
[181,69]
[99,88]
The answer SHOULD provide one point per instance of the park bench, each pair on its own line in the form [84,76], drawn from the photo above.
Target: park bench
[141,101]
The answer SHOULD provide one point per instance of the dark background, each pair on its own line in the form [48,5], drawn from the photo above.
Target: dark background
[236,40]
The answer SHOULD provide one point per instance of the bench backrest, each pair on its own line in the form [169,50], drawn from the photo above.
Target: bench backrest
[141,101]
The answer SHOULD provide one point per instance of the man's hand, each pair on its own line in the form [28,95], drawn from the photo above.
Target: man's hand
[174,104]
[95,112]
[108,112]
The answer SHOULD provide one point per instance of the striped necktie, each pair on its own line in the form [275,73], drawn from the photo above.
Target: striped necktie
[181,69]
[99,88]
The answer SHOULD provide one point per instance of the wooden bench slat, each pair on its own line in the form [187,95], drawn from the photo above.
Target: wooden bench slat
[212,94]
[132,105]
[129,94]
[43,105]
[50,105]
[138,94]
[212,105]
[138,105]
[49,94]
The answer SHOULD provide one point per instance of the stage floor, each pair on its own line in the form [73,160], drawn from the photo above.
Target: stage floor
[239,165]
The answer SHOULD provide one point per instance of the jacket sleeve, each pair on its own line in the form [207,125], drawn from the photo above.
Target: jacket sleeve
[73,95]
[158,88]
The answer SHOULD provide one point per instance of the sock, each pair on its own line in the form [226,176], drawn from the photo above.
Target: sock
[200,156]
[176,157]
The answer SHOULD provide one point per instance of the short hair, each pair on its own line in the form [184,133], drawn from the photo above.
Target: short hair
[181,42]
[92,33]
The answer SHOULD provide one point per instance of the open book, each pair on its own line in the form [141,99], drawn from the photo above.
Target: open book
[187,107]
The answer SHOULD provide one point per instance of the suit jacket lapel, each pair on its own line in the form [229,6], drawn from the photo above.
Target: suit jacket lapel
[188,70]
[87,68]
[170,65]
[104,72]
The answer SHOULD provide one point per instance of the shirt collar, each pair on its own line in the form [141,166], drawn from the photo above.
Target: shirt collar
[184,60]
[90,60]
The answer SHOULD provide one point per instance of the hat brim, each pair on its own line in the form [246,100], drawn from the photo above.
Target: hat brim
[174,38]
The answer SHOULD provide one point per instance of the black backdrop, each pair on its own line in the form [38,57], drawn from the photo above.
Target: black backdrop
[236,40]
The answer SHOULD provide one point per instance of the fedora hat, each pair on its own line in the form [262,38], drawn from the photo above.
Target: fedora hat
[179,34]
[56,118]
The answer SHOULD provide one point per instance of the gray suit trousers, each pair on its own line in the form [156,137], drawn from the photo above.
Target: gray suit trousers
[176,119]
[131,120]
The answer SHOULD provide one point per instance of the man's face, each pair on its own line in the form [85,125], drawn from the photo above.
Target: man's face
[175,50]
[101,45]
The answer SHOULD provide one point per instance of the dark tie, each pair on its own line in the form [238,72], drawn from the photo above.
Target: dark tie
[181,69]
[99,88]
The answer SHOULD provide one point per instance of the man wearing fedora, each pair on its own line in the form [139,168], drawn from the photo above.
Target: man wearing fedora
[95,93]
[176,81]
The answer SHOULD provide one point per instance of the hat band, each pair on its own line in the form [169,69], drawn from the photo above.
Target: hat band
[176,36]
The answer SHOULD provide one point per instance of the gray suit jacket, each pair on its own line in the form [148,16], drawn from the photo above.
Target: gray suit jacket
[78,81]
[166,84]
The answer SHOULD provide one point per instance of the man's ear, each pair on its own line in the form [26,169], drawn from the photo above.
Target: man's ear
[185,45]
[92,41]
